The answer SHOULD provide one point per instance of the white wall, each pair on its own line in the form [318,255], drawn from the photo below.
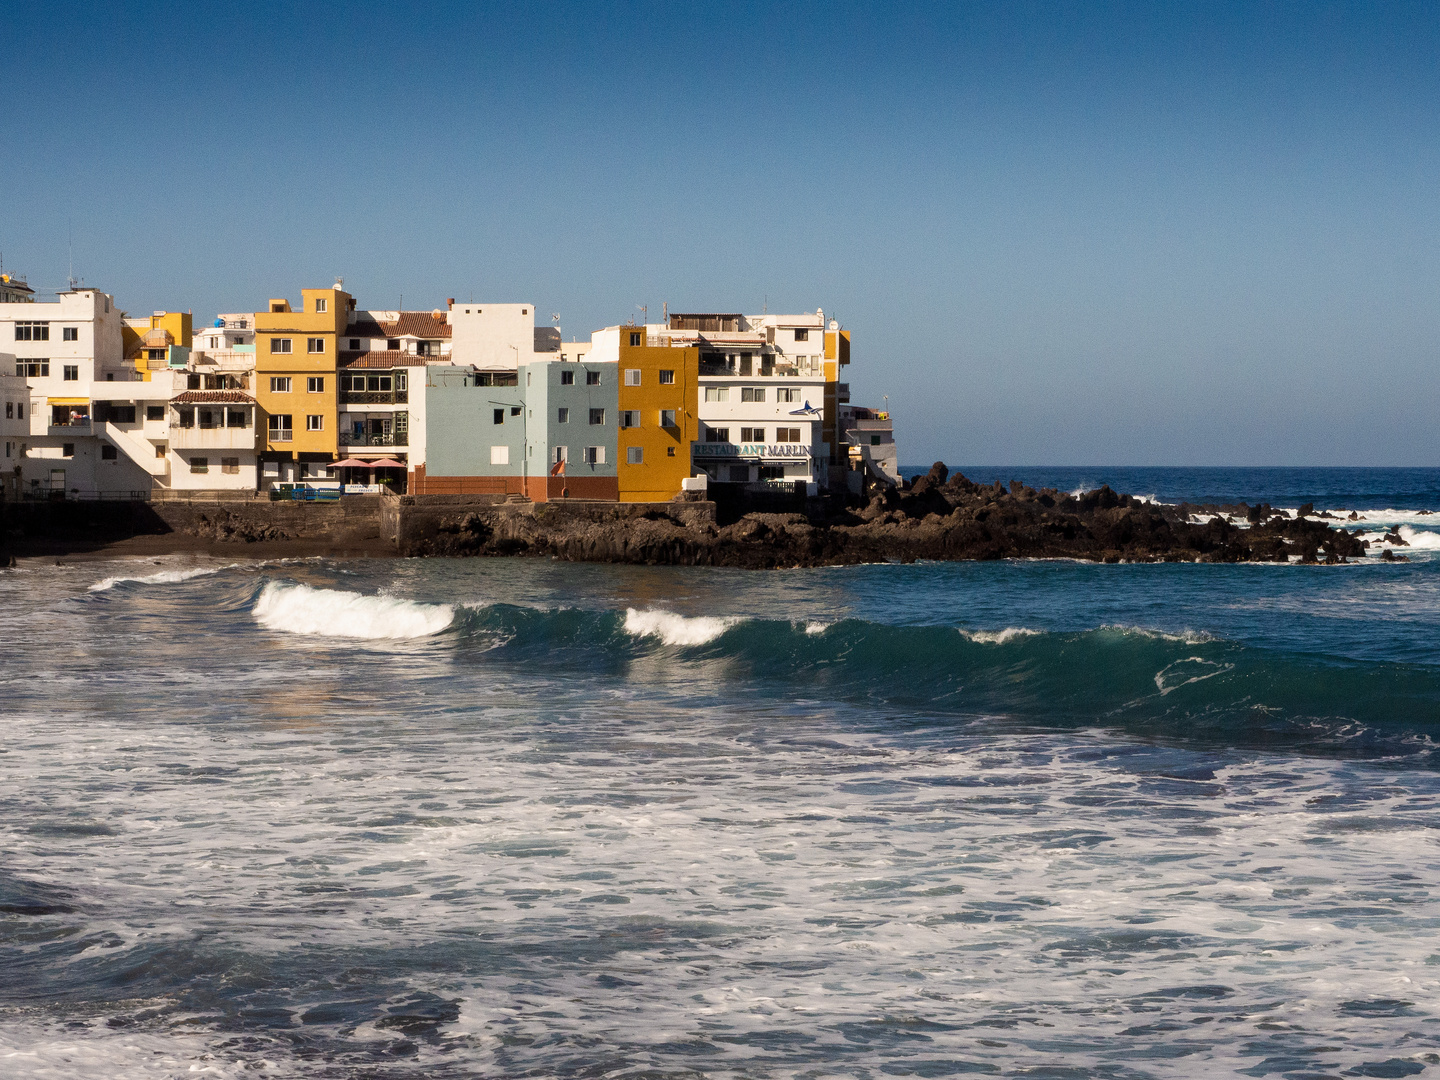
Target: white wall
[492,336]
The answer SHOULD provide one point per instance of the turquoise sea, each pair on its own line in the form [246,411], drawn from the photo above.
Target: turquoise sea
[505,818]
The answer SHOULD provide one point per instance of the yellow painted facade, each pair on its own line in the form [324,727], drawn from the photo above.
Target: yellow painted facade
[138,341]
[664,451]
[293,348]
[837,355]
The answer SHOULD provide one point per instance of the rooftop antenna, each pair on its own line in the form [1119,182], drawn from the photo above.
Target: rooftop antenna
[70,228]
[765,307]
[665,312]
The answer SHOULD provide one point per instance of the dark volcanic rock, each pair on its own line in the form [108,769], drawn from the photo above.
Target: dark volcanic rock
[942,516]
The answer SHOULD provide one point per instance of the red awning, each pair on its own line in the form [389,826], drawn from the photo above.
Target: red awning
[351,463]
[386,463]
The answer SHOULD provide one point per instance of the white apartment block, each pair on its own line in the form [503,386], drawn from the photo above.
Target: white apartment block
[87,411]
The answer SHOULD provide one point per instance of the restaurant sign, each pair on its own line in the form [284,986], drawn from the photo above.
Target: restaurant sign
[751,451]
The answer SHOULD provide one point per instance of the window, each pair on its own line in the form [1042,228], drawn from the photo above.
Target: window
[154,354]
[562,416]
[717,393]
[280,384]
[514,410]
[597,416]
[562,454]
[320,306]
[402,381]
[280,428]
[802,335]
[752,393]
[669,451]
[787,434]
[154,412]
[354,344]
[632,376]
[72,372]
[32,331]
[789,394]
[772,472]
[592,378]
[109,376]
[115,414]
[160,450]
[499,455]
[567,378]
[874,440]
[236,418]
[629,418]
[717,434]
[19,410]
[594,455]
[107,452]
[752,434]
[192,382]
[9,410]
[207,418]
[667,378]
[378,384]
[634,455]
[279,344]
[634,339]
[315,345]
[186,417]
[314,423]
[667,418]
[199,464]
[67,450]
[393,344]
[315,384]
[230,465]
[499,416]
[32,369]
[70,333]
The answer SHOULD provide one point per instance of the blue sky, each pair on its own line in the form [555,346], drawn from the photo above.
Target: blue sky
[1059,233]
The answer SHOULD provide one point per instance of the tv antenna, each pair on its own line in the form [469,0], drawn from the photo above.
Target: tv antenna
[70,229]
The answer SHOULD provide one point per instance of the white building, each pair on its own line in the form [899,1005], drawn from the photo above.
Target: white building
[226,333]
[868,437]
[88,430]
[493,337]
[14,426]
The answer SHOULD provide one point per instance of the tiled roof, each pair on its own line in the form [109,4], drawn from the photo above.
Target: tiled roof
[212,397]
[421,324]
[383,358]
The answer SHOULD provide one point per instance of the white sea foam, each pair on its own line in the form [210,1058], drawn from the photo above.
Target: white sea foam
[997,637]
[164,577]
[300,609]
[1184,637]
[675,629]
[816,627]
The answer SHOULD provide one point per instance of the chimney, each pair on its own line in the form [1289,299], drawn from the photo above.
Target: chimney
[450,301]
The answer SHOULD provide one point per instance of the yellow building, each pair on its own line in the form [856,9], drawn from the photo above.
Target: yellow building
[658,417]
[295,382]
[160,342]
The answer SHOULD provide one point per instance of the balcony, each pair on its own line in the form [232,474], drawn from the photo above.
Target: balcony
[374,397]
[375,438]
[213,438]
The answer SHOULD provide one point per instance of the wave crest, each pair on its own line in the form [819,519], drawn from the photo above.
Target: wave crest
[997,637]
[675,629]
[300,609]
[164,577]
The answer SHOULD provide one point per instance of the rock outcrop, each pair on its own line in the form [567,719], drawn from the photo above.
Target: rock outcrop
[941,516]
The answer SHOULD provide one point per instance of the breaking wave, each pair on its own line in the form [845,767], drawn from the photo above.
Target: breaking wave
[997,637]
[300,609]
[164,577]
[675,629]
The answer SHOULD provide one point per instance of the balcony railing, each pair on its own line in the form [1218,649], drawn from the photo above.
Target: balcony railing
[375,438]
[374,397]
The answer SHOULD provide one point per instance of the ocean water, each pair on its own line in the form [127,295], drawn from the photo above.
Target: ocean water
[404,818]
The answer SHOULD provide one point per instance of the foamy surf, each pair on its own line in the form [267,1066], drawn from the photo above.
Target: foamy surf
[675,629]
[997,637]
[300,609]
[164,577]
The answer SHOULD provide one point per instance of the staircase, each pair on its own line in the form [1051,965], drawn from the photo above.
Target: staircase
[138,450]
[516,497]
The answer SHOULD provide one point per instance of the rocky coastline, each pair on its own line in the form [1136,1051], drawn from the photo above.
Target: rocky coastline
[940,516]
